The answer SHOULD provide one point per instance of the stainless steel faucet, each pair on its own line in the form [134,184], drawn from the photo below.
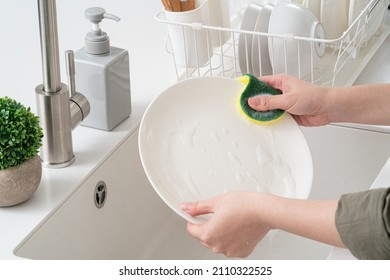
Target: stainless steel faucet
[60,108]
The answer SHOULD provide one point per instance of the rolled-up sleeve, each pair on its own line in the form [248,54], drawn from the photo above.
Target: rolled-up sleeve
[363,222]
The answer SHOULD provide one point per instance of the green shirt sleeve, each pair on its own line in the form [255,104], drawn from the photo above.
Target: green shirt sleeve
[363,222]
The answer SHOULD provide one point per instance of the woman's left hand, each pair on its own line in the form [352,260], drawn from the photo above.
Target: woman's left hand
[235,226]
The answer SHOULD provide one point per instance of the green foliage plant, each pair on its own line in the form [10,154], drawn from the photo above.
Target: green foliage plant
[20,133]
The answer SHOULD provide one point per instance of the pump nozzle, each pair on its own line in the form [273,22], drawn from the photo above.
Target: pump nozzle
[111,16]
[96,15]
[96,41]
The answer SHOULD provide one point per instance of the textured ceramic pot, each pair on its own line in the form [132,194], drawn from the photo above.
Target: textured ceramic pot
[19,183]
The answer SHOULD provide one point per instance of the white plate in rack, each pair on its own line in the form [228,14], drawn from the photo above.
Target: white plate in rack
[334,17]
[260,52]
[195,144]
[315,7]
[355,8]
[295,57]
[245,40]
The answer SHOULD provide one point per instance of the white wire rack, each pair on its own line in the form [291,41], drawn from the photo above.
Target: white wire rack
[343,60]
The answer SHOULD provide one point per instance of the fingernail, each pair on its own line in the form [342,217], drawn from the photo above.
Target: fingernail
[185,206]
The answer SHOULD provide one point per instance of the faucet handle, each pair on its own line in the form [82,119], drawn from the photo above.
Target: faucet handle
[70,71]
[79,105]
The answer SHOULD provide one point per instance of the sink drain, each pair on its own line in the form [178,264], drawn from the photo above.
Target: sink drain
[100,195]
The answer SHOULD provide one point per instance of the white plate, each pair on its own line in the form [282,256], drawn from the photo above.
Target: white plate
[334,17]
[195,144]
[260,53]
[375,17]
[245,40]
[355,8]
[315,7]
[292,56]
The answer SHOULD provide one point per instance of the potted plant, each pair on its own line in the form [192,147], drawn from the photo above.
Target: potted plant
[20,164]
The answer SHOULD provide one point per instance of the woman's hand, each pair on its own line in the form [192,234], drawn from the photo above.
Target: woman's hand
[314,105]
[240,220]
[235,226]
[304,101]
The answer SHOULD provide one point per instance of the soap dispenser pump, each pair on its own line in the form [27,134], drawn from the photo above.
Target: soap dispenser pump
[103,75]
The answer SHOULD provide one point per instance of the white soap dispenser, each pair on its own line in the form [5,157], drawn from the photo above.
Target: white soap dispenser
[103,75]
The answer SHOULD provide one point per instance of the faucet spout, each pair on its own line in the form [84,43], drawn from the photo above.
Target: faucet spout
[49,45]
[58,113]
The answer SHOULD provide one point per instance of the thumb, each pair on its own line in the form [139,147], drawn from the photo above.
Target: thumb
[195,209]
[198,208]
[267,102]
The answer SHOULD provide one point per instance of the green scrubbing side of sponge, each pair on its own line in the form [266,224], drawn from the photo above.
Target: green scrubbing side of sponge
[256,87]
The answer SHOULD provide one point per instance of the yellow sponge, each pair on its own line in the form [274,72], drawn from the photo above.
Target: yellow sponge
[256,87]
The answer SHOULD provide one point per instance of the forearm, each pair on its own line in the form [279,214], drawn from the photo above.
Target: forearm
[365,104]
[313,219]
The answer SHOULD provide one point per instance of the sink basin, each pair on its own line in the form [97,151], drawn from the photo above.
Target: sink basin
[133,222]
[114,214]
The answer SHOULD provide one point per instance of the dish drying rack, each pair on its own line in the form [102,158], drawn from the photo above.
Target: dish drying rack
[340,65]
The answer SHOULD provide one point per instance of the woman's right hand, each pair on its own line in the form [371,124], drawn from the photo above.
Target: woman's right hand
[306,102]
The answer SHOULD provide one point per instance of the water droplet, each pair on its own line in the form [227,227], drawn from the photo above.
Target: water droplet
[235,144]
[263,157]
[225,131]
[252,177]
[214,136]
[187,133]
[234,158]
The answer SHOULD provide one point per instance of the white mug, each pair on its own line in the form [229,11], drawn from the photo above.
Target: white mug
[191,47]
[219,17]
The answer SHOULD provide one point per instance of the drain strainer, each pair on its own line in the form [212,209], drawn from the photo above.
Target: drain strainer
[100,195]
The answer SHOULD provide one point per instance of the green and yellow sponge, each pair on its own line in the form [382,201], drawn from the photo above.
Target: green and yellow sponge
[256,87]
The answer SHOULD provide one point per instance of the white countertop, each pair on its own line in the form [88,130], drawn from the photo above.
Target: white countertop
[151,71]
